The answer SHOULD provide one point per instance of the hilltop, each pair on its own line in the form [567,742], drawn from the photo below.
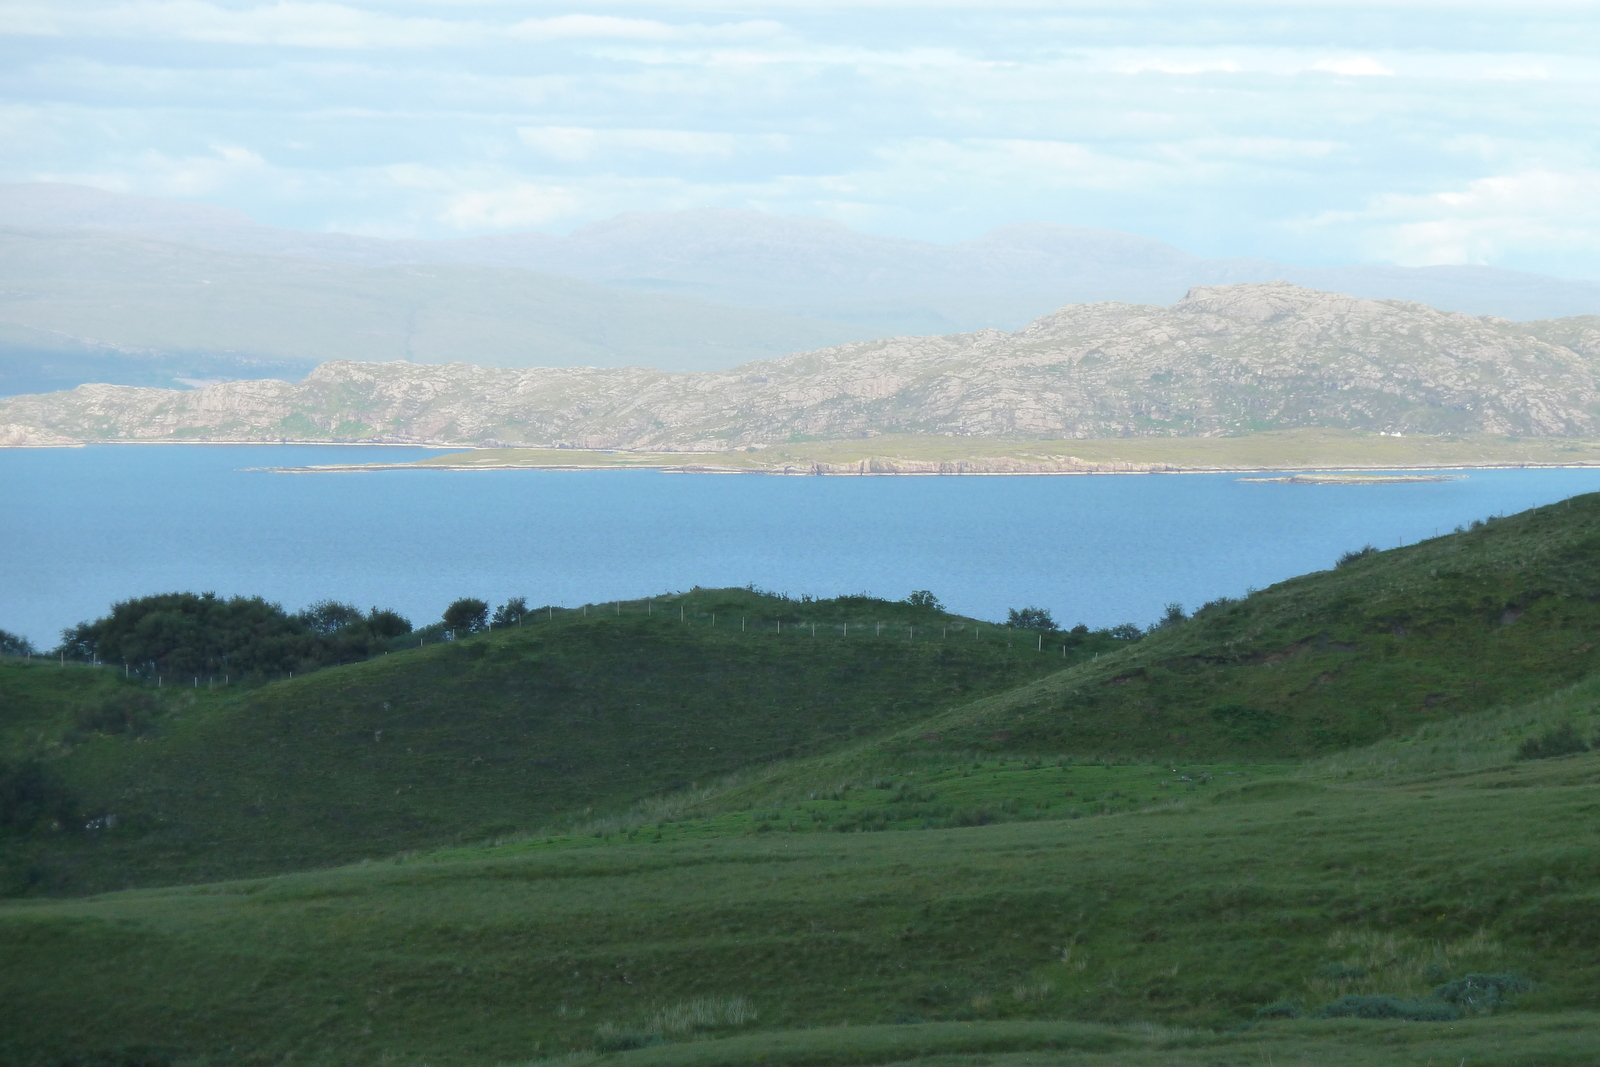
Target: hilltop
[582,713]
[1223,360]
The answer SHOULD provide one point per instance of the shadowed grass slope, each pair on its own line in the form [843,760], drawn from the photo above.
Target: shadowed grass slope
[476,738]
[1196,915]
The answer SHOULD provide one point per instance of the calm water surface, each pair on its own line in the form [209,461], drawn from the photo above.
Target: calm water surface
[84,527]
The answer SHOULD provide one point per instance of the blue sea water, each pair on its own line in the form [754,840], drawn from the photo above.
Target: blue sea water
[84,527]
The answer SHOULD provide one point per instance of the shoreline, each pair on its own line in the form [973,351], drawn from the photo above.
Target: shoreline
[1301,456]
[1331,469]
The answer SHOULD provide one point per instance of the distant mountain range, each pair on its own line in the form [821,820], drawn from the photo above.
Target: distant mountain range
[110,287]
[1222,360]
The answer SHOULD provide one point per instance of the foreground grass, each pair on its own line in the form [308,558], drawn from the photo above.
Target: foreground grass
[1524,1040]
[1189,915]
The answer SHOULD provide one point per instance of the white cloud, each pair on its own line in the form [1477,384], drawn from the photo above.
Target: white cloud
[164,175]
[298,24]
[508,207]
[312,24]
[1354,67]
[1488,220]
[565,27]
[573,144]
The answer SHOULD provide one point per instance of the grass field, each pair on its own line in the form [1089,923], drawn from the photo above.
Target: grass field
[729,828]
[849,948]
[576,715]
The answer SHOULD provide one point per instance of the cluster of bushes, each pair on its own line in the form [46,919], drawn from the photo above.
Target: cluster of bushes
[1473,995]
[203,634]
[34,800]
[14,645]
[1563,740]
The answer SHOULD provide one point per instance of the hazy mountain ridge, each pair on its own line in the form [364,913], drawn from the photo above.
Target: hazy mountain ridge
[815,267]
[125,291]
[1222,360]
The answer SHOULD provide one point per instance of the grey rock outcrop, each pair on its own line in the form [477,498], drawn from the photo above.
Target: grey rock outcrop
[1223,360]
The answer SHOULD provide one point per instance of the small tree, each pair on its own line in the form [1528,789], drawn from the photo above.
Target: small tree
[1030,619]
[511,612]
[924,598]
[1172,616]
[466,616]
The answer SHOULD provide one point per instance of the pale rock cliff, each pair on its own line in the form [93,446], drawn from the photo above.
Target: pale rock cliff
[1223,360]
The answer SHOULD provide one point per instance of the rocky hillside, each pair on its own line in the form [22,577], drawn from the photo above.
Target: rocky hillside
[1222,360]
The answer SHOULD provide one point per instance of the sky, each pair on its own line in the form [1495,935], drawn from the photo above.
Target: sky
[1412,133]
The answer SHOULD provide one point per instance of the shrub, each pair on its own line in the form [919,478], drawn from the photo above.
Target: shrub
[1482,992]
[612,1038]
[1280,1009]
[924,598]
[202,634]
[1562,740]
[1359,553]
[123,713]
[1385,1006]
[33,799]
[511,612]
[1031,619]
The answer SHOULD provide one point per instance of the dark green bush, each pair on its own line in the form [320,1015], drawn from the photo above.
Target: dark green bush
[1482,992]
[1355,554]
[131,713]
[203,634]
[14,645]
[1280,1009]
[1563,740]
[610,1038]
[1385,1006]
[1031,618]
[33,799]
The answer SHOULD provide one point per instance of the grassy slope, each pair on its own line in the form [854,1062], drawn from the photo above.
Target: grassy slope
[1193,914]
[1275,450]
[481,737]
[1336,658]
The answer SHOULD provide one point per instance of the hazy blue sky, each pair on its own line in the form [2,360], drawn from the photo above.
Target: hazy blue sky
[1412,133]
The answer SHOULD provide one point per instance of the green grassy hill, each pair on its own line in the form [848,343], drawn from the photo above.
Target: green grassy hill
[1457,624]
[579,715]
[896,846]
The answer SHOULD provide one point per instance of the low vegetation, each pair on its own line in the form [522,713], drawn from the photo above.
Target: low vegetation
[730,827]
